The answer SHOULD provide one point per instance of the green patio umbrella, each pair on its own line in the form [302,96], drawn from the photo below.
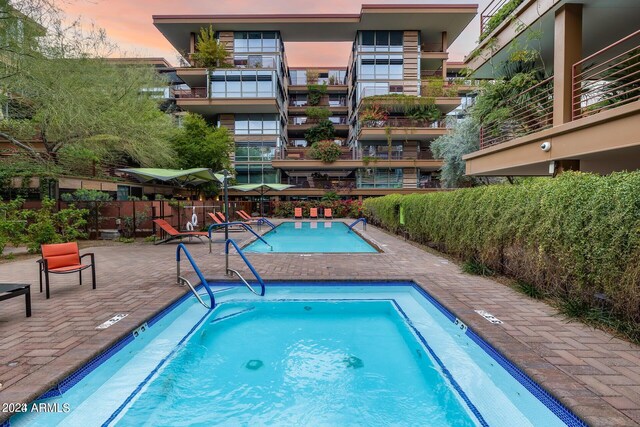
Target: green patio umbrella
[181,177]
[261,189]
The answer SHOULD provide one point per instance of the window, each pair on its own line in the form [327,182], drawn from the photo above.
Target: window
[242,84]
[260,151]
[386,67]
[257,124]
[256,174]
[255,41]
[379,178]
[381,41]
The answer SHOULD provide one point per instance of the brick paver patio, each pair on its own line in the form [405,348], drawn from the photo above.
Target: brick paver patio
[590,371]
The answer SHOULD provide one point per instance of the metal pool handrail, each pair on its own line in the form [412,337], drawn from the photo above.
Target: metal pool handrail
[180,279]
[246,261]
[362,220]
[269,223]
[246,227]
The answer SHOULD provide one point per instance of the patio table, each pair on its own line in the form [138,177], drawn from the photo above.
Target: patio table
[11,290]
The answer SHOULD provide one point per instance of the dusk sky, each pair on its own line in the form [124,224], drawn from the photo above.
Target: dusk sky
[129,23]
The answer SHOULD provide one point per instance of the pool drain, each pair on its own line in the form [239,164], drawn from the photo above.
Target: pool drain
[307,308]
[353,362]
[254,364]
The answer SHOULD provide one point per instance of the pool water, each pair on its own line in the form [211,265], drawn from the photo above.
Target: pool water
[306,354]
[311,237]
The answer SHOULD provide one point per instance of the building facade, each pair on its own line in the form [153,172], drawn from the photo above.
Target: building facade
[384,106]
[586,114]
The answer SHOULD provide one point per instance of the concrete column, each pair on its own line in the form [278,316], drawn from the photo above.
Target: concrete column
[567,51]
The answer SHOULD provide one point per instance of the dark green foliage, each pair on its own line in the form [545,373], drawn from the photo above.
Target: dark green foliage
[476,268]
[85,195]
[499,17]
[316,92]
[571,237]
[324,130]
[199,145]
[528,289]
[326,151]
[318,113]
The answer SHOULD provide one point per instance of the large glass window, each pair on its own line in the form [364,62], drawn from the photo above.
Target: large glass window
[381,67]
[257,124]
[379,178]
[256,174]
[243,84]
[254,41]
[260,151]
[381,41]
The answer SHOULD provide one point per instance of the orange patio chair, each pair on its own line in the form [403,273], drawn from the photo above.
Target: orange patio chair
[64,258]
[220,220]
[297,213]
[327,213]
[245,216]
[175,234]
[313,213]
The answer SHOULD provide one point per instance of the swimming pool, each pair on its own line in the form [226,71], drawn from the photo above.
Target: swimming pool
[305,354]
[311,237]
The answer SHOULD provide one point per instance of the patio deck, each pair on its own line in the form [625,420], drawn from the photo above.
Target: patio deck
[590,371]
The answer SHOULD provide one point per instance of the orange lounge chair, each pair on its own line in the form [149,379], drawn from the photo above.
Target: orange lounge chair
[313,213]
[297,213]
[327,213]
[245,216]
[175,234]
[220,220]
[64,258]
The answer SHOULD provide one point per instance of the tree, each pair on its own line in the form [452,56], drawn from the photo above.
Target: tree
[210,53]
[199,145]
[85,109]
[463,138]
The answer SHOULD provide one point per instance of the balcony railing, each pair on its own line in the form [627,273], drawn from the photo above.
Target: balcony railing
[402,122]
[607,79]
[196,92]
[303,154]
[492,16]
[301,120]
[528,112]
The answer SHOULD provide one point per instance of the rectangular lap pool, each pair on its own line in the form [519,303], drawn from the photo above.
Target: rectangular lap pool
[311,237]
[335,354]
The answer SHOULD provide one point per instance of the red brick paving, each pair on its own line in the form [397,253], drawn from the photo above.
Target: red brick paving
[593,373]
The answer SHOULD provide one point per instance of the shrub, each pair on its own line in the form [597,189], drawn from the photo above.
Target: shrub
[46,226]
[326,151]
[316,92]
[499,17]
[324,130]
[318,113]
[571,237]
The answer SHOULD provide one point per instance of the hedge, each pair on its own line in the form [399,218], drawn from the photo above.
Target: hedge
[574,238]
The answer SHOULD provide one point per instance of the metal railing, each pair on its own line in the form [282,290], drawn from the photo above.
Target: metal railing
[246,261]
[181,280]
[241,224]
[492,8]
[196,92]
[525,113]
[607,79]
[303,154]
[303,120]
[402,122]
[354,223]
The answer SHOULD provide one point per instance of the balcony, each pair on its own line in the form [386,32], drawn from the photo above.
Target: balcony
[400,128]
[300,124]
[526,113]
[595,130]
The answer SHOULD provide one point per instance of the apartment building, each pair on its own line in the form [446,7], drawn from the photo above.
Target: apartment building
[586,115]
[386,104]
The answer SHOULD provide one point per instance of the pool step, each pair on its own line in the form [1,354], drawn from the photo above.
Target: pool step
[233,313]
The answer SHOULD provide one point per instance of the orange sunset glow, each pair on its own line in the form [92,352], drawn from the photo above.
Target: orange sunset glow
[129,24]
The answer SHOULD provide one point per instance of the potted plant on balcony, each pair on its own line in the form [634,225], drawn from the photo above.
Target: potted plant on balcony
[210,53]
[428,113]
[326,151]
[374,116]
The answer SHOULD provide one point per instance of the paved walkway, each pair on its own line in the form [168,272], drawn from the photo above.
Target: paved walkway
[593,373]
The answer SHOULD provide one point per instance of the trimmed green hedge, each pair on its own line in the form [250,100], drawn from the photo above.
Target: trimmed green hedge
[571,237]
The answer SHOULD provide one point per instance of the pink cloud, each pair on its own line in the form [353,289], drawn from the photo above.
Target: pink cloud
[129,23]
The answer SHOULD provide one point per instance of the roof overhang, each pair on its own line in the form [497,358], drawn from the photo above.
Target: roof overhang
[430,19]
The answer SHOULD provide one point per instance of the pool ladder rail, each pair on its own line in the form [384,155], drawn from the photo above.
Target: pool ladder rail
[354,223]
[242,224]
[181,280]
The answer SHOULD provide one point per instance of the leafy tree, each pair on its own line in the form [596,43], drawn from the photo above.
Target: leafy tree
[82,107]
[464,138]
[326,151]
[210,53]
[324,130]
[199,145]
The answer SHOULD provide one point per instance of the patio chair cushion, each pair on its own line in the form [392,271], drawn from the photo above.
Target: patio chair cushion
[60,255]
